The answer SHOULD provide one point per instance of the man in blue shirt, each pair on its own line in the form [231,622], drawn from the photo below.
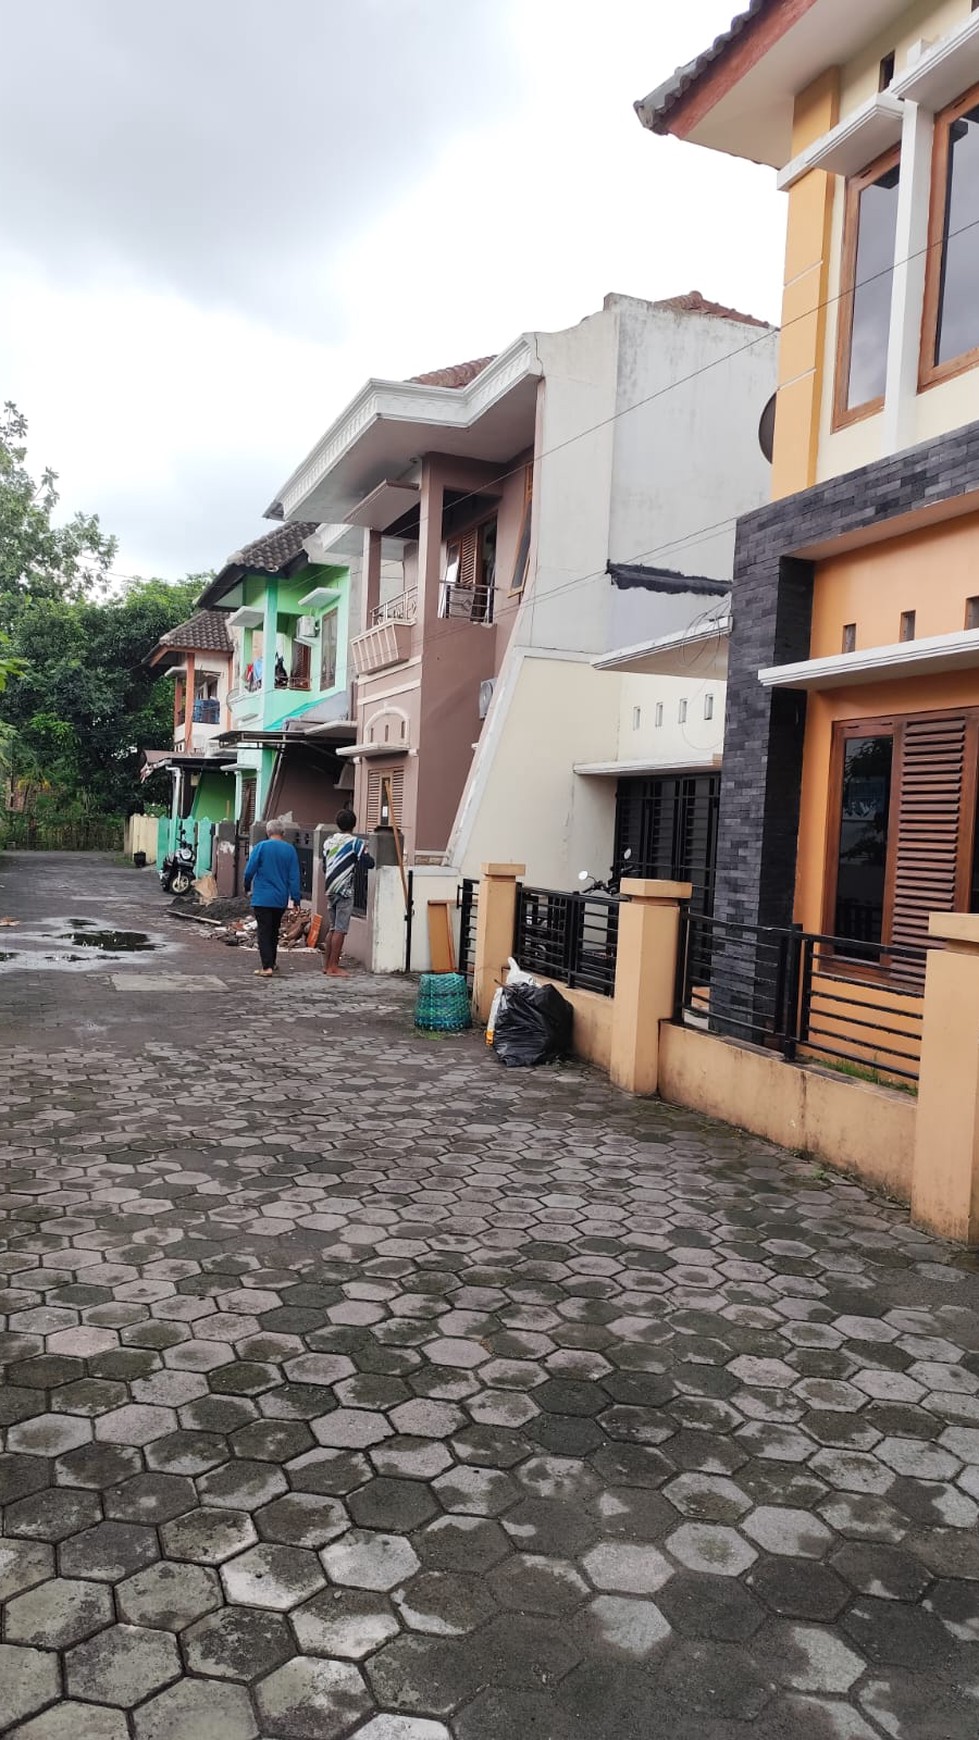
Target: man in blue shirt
[272,879]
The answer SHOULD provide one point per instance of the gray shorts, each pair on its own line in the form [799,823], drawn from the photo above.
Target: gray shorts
[339,909]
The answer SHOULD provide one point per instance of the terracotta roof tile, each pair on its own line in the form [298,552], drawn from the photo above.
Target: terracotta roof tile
[654,110]
[457,375]
[274,550]
[205,631]
[694,303]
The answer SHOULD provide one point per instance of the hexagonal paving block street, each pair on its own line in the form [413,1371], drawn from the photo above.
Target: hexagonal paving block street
[352,1388]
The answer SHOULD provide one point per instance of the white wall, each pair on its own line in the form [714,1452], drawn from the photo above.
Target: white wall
[677,399]
[523,802]
[676,742]
[687,461]
[388,928]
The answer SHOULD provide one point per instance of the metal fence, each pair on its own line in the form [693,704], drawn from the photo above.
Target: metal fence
[856,1006]
[467,900]
[29,833]
[569,937]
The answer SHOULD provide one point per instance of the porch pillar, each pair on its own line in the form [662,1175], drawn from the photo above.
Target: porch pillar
[189,705]
[495,919]
[645,979]
[371,577]
[945,1177]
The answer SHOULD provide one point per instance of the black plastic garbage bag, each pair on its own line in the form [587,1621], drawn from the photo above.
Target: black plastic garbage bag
[533,1025]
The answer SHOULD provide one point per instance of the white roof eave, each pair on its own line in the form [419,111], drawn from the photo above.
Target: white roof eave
[442,408]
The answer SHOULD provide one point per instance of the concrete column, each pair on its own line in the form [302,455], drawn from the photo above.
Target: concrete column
[430,543]
[908,291]
[189,706]
[270,640]
[495,918]
[945,1179]
[370,585]
[645,979]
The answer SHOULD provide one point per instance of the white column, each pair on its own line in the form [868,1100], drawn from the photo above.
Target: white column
[907,296]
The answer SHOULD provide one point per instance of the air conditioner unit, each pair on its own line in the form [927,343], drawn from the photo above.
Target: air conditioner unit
[486,695]
[307,629]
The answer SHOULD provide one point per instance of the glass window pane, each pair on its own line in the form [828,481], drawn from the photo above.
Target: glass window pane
[328,650]
[876,231]
[863,838]
[958,305]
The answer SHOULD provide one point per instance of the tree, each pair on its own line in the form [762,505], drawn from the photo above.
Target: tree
[86,704]
[39,560]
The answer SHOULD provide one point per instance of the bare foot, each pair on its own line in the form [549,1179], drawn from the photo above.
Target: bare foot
[337,973]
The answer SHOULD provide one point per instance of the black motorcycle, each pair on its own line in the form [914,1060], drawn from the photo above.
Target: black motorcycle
[177,869]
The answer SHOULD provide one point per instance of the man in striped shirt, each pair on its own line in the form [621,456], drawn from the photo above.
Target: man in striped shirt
[342,853]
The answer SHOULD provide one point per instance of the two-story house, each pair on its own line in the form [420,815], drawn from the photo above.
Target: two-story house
[287,616]
[197,655]
[850,788]
[543,502]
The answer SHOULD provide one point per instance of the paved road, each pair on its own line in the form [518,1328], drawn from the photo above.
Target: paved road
[354,1387]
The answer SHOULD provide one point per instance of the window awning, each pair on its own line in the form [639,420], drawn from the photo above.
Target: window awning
[645,769]
[907,658]
[856,142]
[372,751]
[945,71]
[690,652]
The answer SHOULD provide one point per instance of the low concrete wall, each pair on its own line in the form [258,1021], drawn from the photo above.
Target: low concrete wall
[141,836]
[854,1126]
[592,1023]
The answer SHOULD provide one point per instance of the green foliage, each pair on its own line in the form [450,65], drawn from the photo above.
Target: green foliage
[37,558]
[77,703]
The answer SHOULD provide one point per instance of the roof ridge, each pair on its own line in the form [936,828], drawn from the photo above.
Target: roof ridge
[694,302]
[455,375]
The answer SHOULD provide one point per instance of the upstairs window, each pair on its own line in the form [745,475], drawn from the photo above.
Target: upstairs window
[869,234]
[951,319]
[328,650]
[468,589]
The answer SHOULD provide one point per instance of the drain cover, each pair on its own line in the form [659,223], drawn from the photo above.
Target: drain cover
[167,982]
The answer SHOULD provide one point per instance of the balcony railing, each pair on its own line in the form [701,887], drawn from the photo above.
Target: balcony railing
[385,643]
[850,1005]
[401,609]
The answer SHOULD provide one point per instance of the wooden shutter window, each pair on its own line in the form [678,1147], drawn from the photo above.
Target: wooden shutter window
[377,777]
[468,552]
[930,867]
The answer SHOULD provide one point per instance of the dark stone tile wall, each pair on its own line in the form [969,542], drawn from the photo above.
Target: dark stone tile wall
[764,733]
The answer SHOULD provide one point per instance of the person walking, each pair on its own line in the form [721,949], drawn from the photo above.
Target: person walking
[272,879]
[342,853]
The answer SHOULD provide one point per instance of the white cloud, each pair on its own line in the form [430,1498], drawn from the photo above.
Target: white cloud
[176,413]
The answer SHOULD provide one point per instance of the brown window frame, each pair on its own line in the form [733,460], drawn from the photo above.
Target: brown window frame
[892,725]
[843,414]
[456,549]
[930,372]
[521,564]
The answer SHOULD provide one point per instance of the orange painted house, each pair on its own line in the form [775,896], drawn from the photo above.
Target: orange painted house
[849,801]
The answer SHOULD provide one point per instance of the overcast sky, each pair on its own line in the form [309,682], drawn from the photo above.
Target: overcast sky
[220,216]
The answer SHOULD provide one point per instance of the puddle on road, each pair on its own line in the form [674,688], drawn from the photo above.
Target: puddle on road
[116,942]
[88,946]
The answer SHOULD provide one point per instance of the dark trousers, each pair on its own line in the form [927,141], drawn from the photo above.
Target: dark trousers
[268,919]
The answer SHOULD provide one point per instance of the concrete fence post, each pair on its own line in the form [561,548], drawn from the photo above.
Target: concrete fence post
[945,1177]
[645,979]
[496,914]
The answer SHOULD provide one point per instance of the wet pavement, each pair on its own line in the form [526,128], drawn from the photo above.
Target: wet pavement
[354,1387]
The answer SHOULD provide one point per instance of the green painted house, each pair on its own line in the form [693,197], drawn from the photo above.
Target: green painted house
[289,701]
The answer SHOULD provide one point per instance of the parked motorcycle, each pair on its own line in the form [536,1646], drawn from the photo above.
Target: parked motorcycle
[593,885]
[177,869]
